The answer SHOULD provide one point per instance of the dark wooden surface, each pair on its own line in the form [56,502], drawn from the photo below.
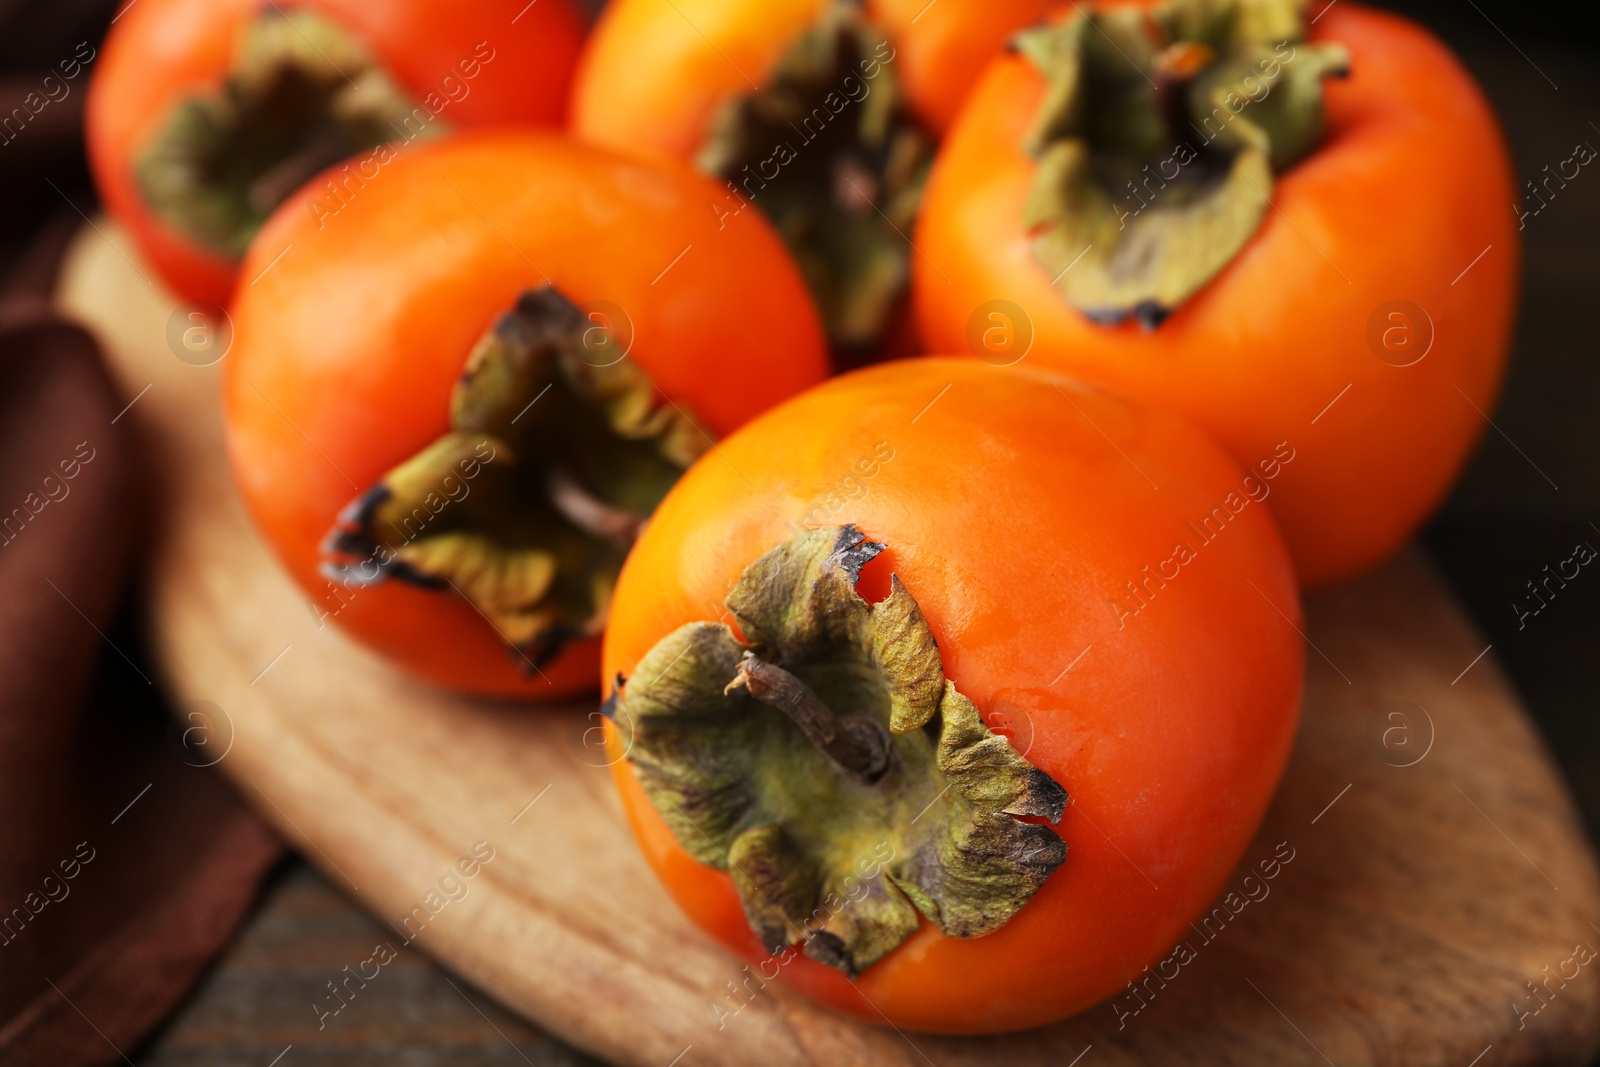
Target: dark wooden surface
[1502,525]
[259,1002]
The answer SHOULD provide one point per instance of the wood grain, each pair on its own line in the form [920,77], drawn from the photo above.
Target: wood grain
[257,1003]
[1419,902]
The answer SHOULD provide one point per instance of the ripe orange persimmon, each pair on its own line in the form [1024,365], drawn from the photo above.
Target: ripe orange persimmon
[821,113]
[806,795]
[386,398]
[1342,277]
[205,114]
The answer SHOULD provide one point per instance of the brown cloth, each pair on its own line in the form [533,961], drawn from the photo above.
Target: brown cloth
[125,864]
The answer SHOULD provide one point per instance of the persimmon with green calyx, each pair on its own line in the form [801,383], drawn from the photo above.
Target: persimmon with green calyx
[1285,223]
[820,113]
[204,115]
[866,650]
[451,417]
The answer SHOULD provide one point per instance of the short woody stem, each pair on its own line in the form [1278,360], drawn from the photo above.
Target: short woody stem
[857,746]
[889,735]
[591,514]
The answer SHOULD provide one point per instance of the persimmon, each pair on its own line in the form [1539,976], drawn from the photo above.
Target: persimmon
[820,113]
[204,115]
[1286,229]
[954,594]
[450,411]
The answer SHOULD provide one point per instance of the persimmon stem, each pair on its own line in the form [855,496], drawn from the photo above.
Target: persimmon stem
[856,746]
[550,494]
[841,190]
[1159,135]
[300,94]
[591,514]
[901,788]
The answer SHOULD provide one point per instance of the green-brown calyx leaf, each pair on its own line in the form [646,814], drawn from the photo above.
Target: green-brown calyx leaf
[302,95]
[1158,140]
[559,448]
[828,150]
[830,767]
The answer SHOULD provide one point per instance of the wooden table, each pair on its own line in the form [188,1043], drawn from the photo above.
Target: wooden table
[258,1001]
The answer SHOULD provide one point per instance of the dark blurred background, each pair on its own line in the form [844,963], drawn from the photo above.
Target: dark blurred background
[1503,524]
[1540,64]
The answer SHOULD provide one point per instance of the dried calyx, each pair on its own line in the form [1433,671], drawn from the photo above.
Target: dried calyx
[830,767]
[827,149]
[302,95]
[558,450]
[1158,139]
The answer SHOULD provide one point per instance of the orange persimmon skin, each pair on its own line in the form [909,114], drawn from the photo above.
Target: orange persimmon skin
[1411,185]
[653,74]
[1014,523]
[945,48]
[348,346]
[163,51]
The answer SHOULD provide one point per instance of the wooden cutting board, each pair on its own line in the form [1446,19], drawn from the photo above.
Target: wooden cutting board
[1439,867]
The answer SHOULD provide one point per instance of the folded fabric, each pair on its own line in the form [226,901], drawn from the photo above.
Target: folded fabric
[125,865]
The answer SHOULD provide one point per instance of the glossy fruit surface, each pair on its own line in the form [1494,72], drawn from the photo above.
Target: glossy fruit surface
[355,333]
[1103,584]
[651,75]
[467,66]
[819,113]
[1366,322]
